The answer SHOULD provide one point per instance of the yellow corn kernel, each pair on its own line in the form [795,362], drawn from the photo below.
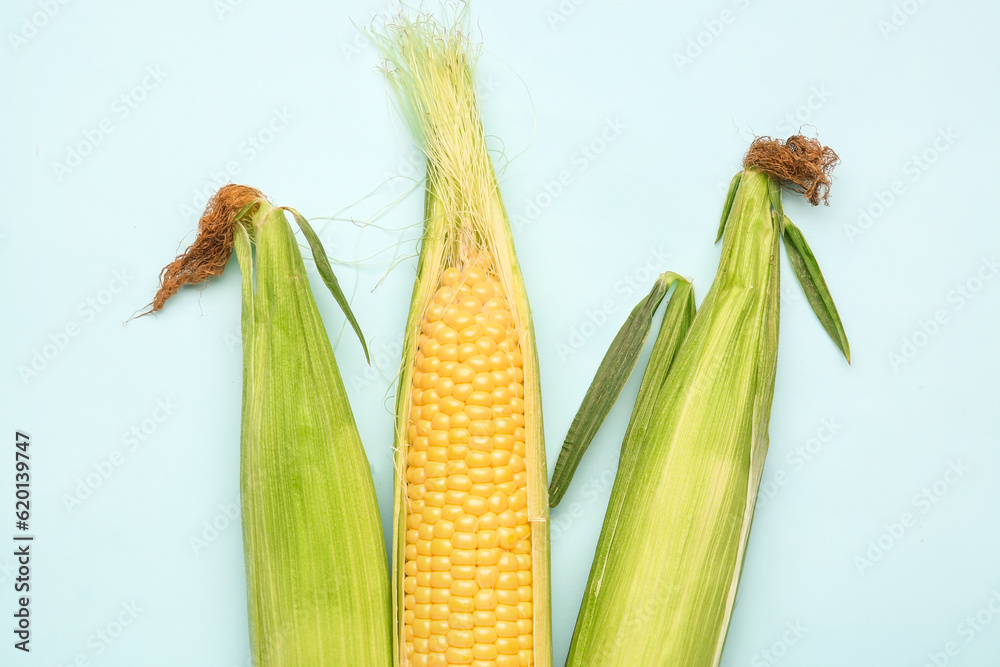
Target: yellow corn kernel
[484,648]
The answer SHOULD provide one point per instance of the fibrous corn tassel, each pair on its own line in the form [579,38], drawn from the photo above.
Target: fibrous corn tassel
[470,557]
[664,578]
[317,577]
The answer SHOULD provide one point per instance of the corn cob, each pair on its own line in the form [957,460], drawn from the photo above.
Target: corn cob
[470,556]
[317,576]
[663,582]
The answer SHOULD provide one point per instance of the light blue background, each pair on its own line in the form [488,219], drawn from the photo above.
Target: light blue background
[555,76]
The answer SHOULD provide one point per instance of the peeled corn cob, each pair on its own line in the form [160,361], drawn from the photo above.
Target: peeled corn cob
[470,557]
[663,582]
[317,577]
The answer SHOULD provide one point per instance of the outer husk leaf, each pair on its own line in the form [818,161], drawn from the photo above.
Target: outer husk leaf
[328,276]
[430,68]
[811,279]
[317,576]
[734,184]
[676,323]
[674,329]
[607,385]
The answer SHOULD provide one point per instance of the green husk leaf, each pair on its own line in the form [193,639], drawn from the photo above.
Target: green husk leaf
[774,194]
[674,328]
[734,185]
[811,278]
[326,272]
[676,323]
[317,575]
[607,385]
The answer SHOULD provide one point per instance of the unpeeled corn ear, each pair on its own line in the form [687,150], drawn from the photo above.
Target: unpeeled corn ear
[663,584]
[317,575]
